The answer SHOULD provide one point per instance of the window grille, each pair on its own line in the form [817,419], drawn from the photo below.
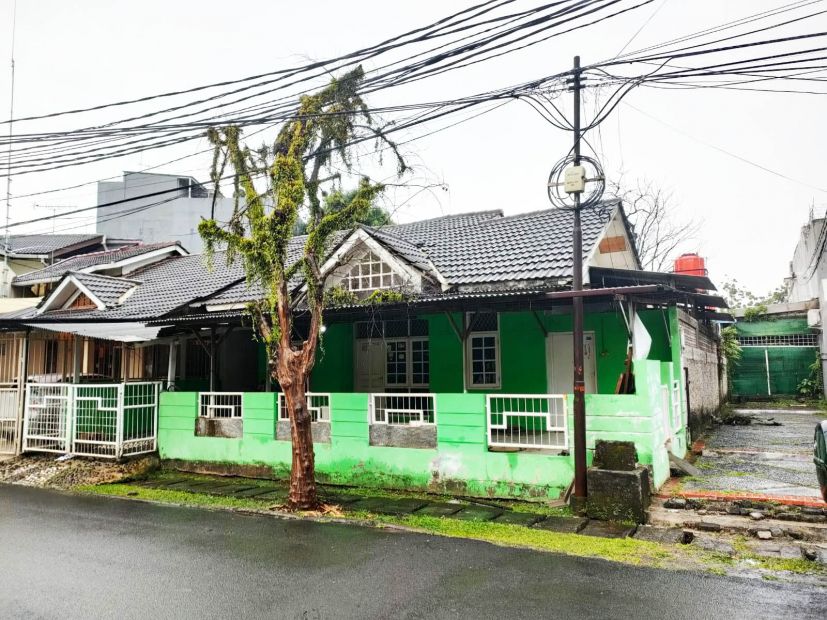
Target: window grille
[371,273]
[527,421]
[367,330]
[220,404]
[402,409]
[318,404]
[788,340]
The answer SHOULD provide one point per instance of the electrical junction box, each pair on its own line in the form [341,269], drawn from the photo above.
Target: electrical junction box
[575,180]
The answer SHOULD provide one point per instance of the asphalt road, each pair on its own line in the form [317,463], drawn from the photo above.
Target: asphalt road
[65,556]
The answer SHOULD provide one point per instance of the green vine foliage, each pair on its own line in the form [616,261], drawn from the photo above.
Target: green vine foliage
[812,386]
[263,222]
[730,347]
[384,296]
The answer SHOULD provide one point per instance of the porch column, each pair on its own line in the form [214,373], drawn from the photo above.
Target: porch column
[213,365]
[172,365]
[22,379]
[76,358]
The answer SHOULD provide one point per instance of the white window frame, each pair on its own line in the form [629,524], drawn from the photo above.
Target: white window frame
[386,270]
[409,382]
[469,358]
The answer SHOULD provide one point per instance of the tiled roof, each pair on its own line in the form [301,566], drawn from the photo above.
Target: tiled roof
[478,248]
[107,289]
[530,246]
[39,245]
[82,262]
[479,251]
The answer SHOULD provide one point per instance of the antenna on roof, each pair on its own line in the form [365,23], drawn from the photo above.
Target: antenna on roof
[8,160]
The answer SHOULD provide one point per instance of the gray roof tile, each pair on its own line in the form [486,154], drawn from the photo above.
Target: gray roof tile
[80,262]
[38,245]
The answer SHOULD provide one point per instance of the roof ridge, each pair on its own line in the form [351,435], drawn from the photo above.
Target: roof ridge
[516,216]
[101,276]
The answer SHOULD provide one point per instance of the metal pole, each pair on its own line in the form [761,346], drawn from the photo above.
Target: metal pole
[580,490]
[212,359]
[8,161]
[22,387]
[767,366]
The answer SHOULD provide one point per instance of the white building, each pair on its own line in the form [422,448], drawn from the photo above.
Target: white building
[159,207]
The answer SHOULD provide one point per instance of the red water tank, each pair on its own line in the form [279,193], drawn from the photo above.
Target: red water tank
[690,264]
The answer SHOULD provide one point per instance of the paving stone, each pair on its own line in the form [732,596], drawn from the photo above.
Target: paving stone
[273,496]
[153,484]
[399,506]
[232,489]
[565,525]
[367,504]
[477,513]
[341,499]
[666,535]
[705,526]
[213,488]
[710,543]
[519,518]
[254,492]
[608,529]
[675,503]
[764,534]
[756,516]
[439,509]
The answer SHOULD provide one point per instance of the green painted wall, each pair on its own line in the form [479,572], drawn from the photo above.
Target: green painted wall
[333,371]
[461,463]
[522,352]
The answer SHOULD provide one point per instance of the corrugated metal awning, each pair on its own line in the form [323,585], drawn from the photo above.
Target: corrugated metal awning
[120,332]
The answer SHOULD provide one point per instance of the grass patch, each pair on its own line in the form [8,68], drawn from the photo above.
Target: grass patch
[181,498]
[625,550]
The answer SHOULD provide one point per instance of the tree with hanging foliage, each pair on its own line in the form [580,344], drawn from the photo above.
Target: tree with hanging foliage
[275,186]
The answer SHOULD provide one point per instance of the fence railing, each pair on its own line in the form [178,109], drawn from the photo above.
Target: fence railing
[318,404]
[527,421]
[402,409]
[677,414]
[220,404]
[98,420]
[9,399]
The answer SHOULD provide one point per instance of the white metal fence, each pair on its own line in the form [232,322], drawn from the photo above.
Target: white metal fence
[402,409]
[220,404]
[9,400]
[527,421]
[318,404]
[677,417]
[100,420]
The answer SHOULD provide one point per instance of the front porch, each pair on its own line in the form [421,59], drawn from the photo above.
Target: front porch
[471,444]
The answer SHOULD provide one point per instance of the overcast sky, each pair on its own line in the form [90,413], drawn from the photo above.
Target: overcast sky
[73,54]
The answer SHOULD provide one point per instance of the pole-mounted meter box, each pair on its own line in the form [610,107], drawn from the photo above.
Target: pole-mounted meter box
[575,180]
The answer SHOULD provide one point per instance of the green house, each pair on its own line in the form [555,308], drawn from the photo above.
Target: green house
[458,382]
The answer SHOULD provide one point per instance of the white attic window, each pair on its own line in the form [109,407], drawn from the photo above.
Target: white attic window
[370,273]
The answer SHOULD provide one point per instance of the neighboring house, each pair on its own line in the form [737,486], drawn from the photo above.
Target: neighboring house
[806,285]
[27,253]
[464,385]
[157,207]
[777,349]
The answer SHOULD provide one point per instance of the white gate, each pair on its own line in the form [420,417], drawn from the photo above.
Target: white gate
[8,419]
[99,420]
[46,426]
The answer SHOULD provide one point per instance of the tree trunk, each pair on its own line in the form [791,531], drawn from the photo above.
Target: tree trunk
[303,472]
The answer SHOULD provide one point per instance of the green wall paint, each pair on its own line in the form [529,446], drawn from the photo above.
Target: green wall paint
[333,371]
[445,352]
[461,462]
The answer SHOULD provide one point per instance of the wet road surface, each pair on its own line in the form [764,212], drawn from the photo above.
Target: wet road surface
[64,556]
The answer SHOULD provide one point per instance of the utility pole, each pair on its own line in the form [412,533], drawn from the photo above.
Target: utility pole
[580,490]
[8,160]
